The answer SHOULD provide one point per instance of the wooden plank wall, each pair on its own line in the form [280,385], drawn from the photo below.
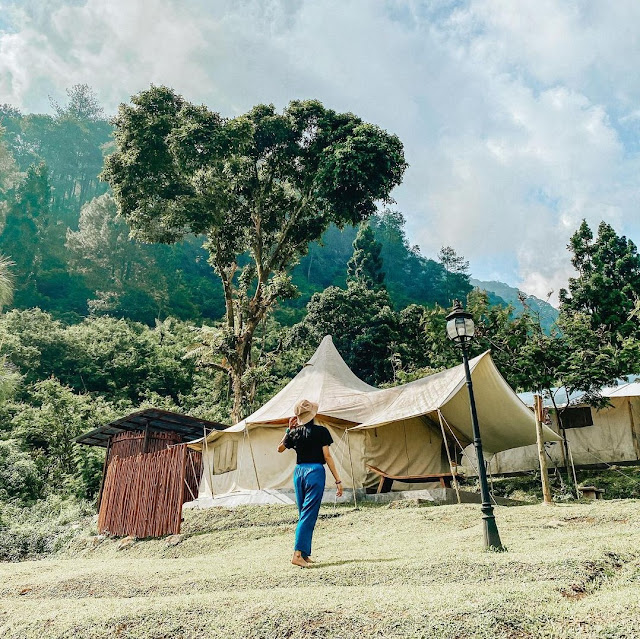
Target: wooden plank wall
[130,443]
[143,495]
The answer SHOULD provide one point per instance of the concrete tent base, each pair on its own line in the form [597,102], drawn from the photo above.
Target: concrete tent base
[260,497]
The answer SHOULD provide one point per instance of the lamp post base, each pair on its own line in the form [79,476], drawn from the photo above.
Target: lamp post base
[490,528]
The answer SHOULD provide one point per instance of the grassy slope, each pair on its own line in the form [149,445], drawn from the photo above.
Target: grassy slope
[571,570]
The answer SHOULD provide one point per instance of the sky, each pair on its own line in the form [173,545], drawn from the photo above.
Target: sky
[519,118]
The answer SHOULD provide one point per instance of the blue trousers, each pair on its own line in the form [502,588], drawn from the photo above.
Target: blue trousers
[308,481]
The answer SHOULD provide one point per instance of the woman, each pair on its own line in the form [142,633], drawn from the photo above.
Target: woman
[311,443]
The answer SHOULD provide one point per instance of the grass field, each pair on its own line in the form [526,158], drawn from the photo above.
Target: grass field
[571,570]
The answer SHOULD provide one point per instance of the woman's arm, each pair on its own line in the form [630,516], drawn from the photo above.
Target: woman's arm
[332,467]
[293,421]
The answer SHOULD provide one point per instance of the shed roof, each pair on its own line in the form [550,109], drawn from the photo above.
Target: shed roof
[157,420]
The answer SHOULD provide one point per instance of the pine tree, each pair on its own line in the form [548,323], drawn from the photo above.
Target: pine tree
[607,287]
[456,274]
[365,265]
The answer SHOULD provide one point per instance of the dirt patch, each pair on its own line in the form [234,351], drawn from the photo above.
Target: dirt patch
[594,575]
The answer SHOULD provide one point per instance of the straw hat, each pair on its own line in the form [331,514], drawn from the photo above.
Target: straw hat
[305,411]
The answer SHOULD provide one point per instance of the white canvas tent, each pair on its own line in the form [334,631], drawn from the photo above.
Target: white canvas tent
[399,430]
[595,436]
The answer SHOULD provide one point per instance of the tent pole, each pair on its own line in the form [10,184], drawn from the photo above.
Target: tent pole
[446,446]
[634,434]
[253,459]
[542,460]
[353,481]
[573,470]
[210,467]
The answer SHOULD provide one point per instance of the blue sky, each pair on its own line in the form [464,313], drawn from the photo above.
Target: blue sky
[519,118]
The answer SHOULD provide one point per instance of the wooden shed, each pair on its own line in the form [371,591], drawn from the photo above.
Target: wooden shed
[148,471]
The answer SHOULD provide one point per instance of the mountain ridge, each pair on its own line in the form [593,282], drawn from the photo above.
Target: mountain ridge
[547,313]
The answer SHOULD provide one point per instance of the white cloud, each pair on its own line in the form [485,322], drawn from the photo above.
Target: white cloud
[518,119]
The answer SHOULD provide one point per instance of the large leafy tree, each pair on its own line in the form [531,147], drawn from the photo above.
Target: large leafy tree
[260,186]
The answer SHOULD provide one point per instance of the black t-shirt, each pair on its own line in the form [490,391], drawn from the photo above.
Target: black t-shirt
[308,441]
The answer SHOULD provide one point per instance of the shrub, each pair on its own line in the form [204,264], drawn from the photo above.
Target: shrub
[43,528]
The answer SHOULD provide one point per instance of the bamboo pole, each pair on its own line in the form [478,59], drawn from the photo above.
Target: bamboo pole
[542,458]
[209,467]
[573,470]
[253,459]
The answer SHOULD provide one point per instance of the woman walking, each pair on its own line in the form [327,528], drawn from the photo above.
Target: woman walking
[311,443]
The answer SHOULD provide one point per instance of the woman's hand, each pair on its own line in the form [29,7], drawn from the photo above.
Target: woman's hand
[338,489]
[293,422]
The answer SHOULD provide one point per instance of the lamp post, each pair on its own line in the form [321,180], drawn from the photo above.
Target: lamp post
[460,329]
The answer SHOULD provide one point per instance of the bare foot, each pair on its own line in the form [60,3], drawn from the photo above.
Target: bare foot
[299,561]
[309,560]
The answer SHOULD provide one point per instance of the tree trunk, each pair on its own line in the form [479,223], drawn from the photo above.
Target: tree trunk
[238,396]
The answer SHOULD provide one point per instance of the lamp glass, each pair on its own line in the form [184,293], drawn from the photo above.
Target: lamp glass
[460,329]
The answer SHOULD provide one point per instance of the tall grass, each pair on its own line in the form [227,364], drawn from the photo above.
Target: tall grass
[43,528]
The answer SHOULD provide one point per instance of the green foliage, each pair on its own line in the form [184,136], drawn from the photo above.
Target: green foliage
[46,427]
[261,187]
[121,359]
[20,478]
[363,326]
[42,528]
[607,287]
[9,177]
[365,265]
[410,277]
[79,377]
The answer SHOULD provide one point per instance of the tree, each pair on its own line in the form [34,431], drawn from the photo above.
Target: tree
[607,287]
[261,187]
[362,324]
[83,104]
[23,234]
[365,265]
[9,176]
[456,274]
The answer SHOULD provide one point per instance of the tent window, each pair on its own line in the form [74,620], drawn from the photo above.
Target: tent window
[577,417]
[225,457]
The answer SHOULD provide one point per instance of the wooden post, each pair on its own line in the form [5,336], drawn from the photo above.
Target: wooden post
[104,471]
[145,444]
[253,459]
[544,473]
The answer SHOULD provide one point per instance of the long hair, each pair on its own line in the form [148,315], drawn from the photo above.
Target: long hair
[300,433]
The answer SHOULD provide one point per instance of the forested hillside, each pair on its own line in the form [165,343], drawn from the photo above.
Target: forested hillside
[502,293]
[73,256]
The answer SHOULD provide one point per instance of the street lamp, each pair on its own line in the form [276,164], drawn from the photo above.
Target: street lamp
[460,329]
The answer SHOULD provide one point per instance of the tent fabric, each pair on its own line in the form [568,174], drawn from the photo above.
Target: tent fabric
[625,390]
[396,429]
[504,420]
[614,437]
